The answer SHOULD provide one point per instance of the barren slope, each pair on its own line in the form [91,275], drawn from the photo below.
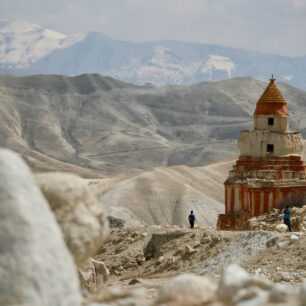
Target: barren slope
[166,195]
[105,125]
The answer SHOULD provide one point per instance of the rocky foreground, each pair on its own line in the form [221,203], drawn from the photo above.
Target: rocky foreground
[56,250]
[163,265]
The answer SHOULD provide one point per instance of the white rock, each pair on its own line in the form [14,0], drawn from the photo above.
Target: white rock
[281,228]
[160,260]
[258,271]
[287,276]
[130,240]
[187,289]
[283,276]
[233,278]
[196,244]
[120,268]
[102,273]
[294,238]
[78,212]
[283,244]
[36,267]
[251,296]
[278,269]
[87,274]
[140,258]
[189,250]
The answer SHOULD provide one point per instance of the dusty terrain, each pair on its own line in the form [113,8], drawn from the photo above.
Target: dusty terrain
[213,251]
[165,195]
[136,260]
[91,123]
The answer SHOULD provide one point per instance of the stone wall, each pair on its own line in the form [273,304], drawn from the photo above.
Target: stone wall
[255,143]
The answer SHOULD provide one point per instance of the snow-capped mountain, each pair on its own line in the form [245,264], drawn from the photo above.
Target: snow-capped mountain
[27,49]
[22,43]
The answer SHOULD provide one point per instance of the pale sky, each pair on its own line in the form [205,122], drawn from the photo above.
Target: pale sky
[269,26]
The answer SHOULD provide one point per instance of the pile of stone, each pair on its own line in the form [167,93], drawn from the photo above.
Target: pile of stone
[236,287]
[48,229]
[271,220]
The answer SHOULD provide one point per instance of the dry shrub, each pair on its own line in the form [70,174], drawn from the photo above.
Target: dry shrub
[297,199]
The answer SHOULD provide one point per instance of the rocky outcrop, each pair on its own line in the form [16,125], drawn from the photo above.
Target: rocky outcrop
[36,268]
[159,239]
[77,211]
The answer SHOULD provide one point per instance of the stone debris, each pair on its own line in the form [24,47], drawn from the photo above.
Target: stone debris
[196,244]
[273,220]
[130,240]
[281,228]
[236,287]
[160,260]
[140,258]
[189,250]
[171,260]
[143,260]
[205,240]
[283,244]
[294,238]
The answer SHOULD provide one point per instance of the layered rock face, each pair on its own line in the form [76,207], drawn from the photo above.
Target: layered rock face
[270,168]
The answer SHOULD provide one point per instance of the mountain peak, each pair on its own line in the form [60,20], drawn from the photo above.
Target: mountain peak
[22,43]
[27,48]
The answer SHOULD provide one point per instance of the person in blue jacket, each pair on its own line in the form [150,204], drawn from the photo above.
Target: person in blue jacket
[191,219]
[287,213]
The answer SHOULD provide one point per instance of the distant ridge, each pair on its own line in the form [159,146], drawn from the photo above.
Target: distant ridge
[161,62]
[97,126]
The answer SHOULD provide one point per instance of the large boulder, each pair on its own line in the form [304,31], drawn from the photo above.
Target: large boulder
[36,268]
[77,210]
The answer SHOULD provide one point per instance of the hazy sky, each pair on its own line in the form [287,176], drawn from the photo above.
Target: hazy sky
[271,26]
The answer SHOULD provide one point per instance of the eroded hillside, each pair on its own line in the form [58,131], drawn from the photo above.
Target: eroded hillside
[101,124]
[165,195]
